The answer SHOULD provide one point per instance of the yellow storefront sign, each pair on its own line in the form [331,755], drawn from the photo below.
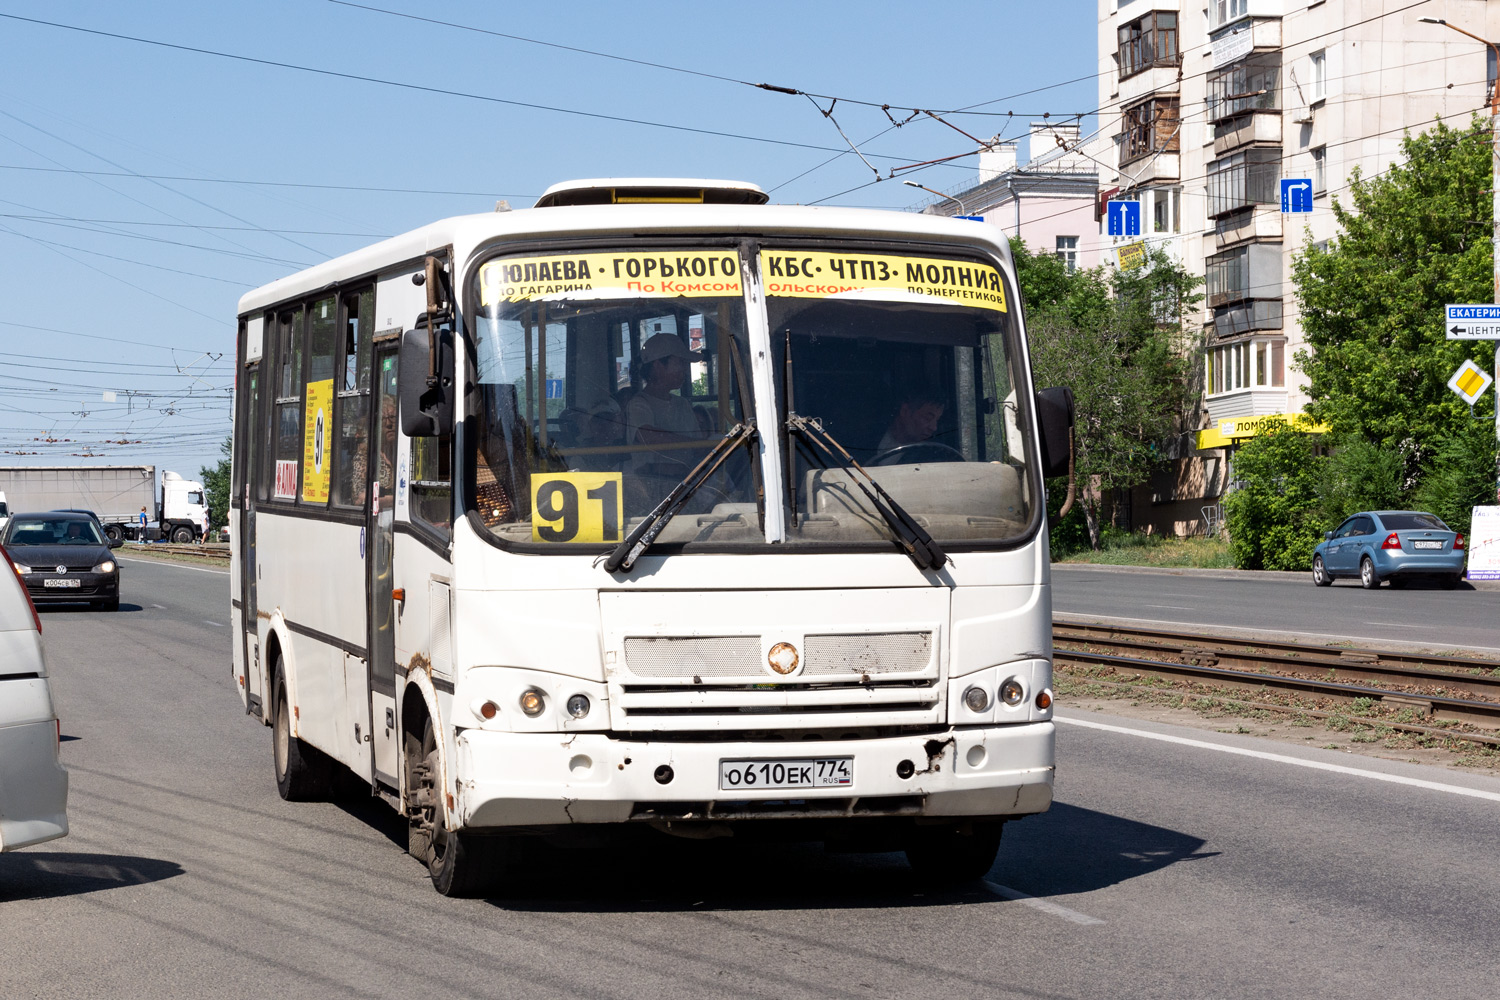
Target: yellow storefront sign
[315,441]
[812,274]
[1234,429]
[612,273]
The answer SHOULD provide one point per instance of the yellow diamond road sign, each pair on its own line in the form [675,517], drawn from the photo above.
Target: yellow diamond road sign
[1469,382]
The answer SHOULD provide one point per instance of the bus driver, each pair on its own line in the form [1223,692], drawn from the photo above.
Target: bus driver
[656,414]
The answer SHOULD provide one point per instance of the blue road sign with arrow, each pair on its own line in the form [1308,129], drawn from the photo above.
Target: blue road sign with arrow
[1124,218]
[1296,194]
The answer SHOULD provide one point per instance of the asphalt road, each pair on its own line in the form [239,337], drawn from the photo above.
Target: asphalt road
[1166,869]
[1285,604]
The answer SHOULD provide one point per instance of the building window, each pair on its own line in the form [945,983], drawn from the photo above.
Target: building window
[1150,128]
[1244,179]
[1067,252]
[1252,84]
[1221,12]
[1253,364]
[1319,61]
[1320,170]
[1166,210]
[1147,42]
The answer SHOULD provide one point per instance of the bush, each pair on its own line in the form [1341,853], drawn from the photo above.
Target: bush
[1359,476]
[1460,476]
[1273,517]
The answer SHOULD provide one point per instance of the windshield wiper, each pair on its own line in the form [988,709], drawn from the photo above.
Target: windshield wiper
[638,541]
[914,540]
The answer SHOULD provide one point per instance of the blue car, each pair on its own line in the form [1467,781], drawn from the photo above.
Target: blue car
[1394,545]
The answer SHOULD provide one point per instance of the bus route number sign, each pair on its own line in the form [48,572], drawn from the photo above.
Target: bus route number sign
[576,506]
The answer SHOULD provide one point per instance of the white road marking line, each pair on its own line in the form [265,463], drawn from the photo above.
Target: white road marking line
[163,562]
[1316,765]
[1170,607]
[162,606]
[1006,892]
[1395,625]
[214,624]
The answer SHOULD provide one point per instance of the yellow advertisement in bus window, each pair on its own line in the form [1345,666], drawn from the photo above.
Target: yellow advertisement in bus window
[652,274]
[576,506]
[816,274]
[315,431]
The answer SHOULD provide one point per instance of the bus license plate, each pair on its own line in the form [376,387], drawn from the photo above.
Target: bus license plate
[1426,545]
[814,772]
[60,583]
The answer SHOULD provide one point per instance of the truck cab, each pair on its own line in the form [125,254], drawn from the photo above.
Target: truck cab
[183,514]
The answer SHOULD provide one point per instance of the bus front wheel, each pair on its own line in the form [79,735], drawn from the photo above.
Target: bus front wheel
[953,854]
[461,864]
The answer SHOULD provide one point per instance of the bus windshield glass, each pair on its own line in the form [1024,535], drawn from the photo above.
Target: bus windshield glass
[906,363]
[604,378]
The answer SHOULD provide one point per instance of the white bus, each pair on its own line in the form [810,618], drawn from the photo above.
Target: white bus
[654,504]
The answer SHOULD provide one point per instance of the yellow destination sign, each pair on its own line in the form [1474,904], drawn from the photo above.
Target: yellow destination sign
[633,274]
[576,506]
[1234,429]
[816,274]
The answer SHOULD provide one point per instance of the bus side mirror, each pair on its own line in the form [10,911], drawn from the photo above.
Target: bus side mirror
[1054,417]
[426,403]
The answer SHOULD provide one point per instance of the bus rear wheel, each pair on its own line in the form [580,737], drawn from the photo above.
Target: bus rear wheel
[950,855]
[302,773]
[461,864]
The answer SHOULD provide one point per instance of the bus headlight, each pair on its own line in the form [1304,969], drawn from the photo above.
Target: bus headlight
[532,703]
[976,699]
[578,706]
[1011,691]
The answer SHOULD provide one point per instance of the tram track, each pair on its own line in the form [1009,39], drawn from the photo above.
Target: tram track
[1435,691]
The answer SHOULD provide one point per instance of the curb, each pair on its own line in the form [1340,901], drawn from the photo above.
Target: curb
[1221,574]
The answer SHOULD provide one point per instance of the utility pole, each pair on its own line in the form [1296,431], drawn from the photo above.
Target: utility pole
[1494,205]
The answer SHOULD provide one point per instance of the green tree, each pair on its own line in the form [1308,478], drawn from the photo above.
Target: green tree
[1119,341]
[216,485]
[1461,474]
[1274,516]
[1414,238]
[1360,475]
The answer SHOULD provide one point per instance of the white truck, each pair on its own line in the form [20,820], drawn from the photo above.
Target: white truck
[115,494]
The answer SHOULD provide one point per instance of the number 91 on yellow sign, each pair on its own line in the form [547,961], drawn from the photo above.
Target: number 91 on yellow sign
[576,507]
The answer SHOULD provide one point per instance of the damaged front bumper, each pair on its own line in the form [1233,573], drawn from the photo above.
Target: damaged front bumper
[548,779]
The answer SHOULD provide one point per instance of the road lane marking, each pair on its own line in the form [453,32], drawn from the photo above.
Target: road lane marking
[214,624]
[1006,892]
[161,606]
[1395,625]
[1316,765]
[163,562]
[1171,607]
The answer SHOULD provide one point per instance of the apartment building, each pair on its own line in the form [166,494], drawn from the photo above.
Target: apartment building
[1209,106]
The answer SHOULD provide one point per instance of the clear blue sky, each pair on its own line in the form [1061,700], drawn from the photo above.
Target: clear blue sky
[151,269]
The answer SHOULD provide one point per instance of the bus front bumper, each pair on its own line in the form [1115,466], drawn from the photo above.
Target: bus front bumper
[547,779]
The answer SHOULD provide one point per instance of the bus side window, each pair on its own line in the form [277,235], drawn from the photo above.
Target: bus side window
[353,382]
[432,481]
[288,418]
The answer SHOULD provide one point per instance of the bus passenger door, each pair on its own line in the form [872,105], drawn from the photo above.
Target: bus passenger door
[380,524]
[245,539]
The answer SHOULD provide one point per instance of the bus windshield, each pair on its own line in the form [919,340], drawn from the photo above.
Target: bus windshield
[905,363]
[604,378]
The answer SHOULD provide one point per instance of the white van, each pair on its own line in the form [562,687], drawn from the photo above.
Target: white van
[4,511]
[33,783]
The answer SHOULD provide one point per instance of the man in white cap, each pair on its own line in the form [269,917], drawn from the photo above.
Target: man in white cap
[657,415]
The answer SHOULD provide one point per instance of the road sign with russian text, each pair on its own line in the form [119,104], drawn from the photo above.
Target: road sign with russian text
[1472,322]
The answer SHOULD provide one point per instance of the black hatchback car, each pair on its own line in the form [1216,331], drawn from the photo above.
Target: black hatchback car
[63,559]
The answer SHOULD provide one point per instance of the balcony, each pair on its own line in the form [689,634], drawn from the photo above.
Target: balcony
[1255,222]
[1242,130]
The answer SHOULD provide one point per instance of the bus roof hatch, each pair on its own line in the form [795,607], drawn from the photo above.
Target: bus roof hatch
[651,191]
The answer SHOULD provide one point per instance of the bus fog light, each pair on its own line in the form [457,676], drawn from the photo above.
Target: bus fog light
[976,755]
[1011,691]
[578,706]
[1044,700]
[487,710]
[905,769]
[532,702]
[581,765]
[663,774]
[976,699]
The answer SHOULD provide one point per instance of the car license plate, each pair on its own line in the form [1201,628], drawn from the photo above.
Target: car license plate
[61,582]
[1426,545]
[812,772]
